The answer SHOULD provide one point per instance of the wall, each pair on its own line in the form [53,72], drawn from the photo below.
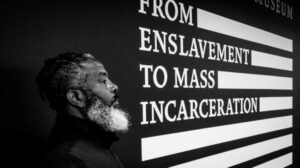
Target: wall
[122,36]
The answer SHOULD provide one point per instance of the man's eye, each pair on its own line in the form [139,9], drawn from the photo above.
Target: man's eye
[102,81]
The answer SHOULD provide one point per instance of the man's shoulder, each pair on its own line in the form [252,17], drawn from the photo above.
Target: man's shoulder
[80,154]
[94,154]
[62,157]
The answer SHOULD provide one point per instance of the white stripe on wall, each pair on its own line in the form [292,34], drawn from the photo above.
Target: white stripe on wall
[210,21]
[168,144]
[271,61]
[240,155]
[235,80]
[275,103]
[280,162]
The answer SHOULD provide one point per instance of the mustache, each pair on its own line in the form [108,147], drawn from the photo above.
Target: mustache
[116,96]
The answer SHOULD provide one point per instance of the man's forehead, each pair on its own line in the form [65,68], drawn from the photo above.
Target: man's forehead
[92,64]
[94,67]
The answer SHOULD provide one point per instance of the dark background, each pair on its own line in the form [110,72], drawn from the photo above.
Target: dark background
[32,31]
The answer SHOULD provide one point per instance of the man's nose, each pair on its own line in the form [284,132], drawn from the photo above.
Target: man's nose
[114,88]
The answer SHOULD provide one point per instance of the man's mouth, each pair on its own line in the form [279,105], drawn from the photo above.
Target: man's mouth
[115,102]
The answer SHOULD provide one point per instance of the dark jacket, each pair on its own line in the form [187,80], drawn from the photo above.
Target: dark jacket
[77,143]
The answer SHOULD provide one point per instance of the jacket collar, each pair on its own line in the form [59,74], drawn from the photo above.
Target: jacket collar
[67,123]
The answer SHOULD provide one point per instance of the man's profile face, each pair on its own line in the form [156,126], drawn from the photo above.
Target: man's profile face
[100,85]
[102,105]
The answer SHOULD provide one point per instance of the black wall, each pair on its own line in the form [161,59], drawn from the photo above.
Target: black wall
[33,31]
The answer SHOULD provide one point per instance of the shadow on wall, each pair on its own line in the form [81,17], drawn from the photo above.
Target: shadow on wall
[23,119]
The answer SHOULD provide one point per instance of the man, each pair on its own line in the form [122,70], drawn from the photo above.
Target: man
[88,114]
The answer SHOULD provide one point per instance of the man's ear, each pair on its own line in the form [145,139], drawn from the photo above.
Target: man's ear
[76,98]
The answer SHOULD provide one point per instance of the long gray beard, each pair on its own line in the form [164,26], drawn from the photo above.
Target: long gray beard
[109,118]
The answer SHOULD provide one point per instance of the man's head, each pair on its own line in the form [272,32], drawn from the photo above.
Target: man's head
[79,84]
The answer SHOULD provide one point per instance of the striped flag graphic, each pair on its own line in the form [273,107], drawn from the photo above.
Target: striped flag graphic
[158,147]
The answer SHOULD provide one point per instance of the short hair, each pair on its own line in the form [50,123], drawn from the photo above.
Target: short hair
[60,74]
